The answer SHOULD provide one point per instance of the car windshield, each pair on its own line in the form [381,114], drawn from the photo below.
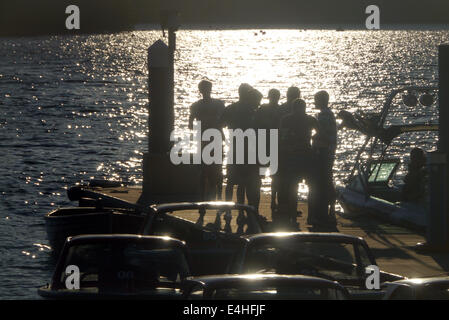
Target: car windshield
[332,260]
[293,292]
[126,265]
[227,220]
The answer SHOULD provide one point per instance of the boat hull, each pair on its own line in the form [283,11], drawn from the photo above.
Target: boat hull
[71,221]
[403,214]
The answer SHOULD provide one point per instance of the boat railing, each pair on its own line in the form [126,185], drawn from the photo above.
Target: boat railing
[382,118]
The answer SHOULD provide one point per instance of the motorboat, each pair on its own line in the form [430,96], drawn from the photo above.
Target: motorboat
[97,213]
[409,118]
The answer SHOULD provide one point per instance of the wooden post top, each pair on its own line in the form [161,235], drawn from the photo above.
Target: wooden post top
[158,55]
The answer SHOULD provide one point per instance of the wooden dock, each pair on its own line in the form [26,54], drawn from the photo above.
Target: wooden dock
[393,246]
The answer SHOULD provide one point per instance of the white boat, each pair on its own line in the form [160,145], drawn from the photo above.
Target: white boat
[371,188]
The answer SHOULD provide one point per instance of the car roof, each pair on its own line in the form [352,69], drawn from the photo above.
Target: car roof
[94,238]
[214,281]
[196,205]
[423,281]
[304,235]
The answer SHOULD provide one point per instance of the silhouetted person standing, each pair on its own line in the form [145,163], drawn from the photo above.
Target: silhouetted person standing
[322,192]
[293,93]
[268,117]
[252,176]
[295,154]
[209,111]
[239,115]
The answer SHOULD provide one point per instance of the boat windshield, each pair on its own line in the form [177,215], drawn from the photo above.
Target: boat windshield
[126,266]
[382,171]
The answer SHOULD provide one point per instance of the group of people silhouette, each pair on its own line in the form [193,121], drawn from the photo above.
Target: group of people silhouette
[306,144]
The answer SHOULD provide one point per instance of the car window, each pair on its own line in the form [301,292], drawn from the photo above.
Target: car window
[227,221]
[364,256]
[126,265]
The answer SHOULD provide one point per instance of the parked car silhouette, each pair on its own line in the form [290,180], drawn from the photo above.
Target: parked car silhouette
[418,289]
[119,266]
[332,256]
[263,287]
[212,230]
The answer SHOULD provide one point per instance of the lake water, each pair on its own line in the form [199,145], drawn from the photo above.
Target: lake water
[74,108]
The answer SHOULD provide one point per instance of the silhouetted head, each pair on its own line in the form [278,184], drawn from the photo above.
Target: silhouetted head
[321,99]
[299,107]
[255,97]
[293,93]
[205,88]
[273,96]
[418,157]
[244,90]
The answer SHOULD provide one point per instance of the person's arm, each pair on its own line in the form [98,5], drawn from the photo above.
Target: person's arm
[192,115]
[220,123]
[224,122]
[258,120]
[324,135]
[314,123]
[283,129]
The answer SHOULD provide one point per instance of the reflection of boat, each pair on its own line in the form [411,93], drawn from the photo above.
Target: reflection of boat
[370,188]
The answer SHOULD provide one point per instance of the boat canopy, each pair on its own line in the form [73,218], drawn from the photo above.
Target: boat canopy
[369,126]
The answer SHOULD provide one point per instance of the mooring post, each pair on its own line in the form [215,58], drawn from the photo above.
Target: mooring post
[161,114]
[438,216]
[160,122]
[443,139]
[164,181]
[170,21]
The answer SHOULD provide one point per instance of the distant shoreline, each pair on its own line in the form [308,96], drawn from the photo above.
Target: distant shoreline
[221,27]
[351,27]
